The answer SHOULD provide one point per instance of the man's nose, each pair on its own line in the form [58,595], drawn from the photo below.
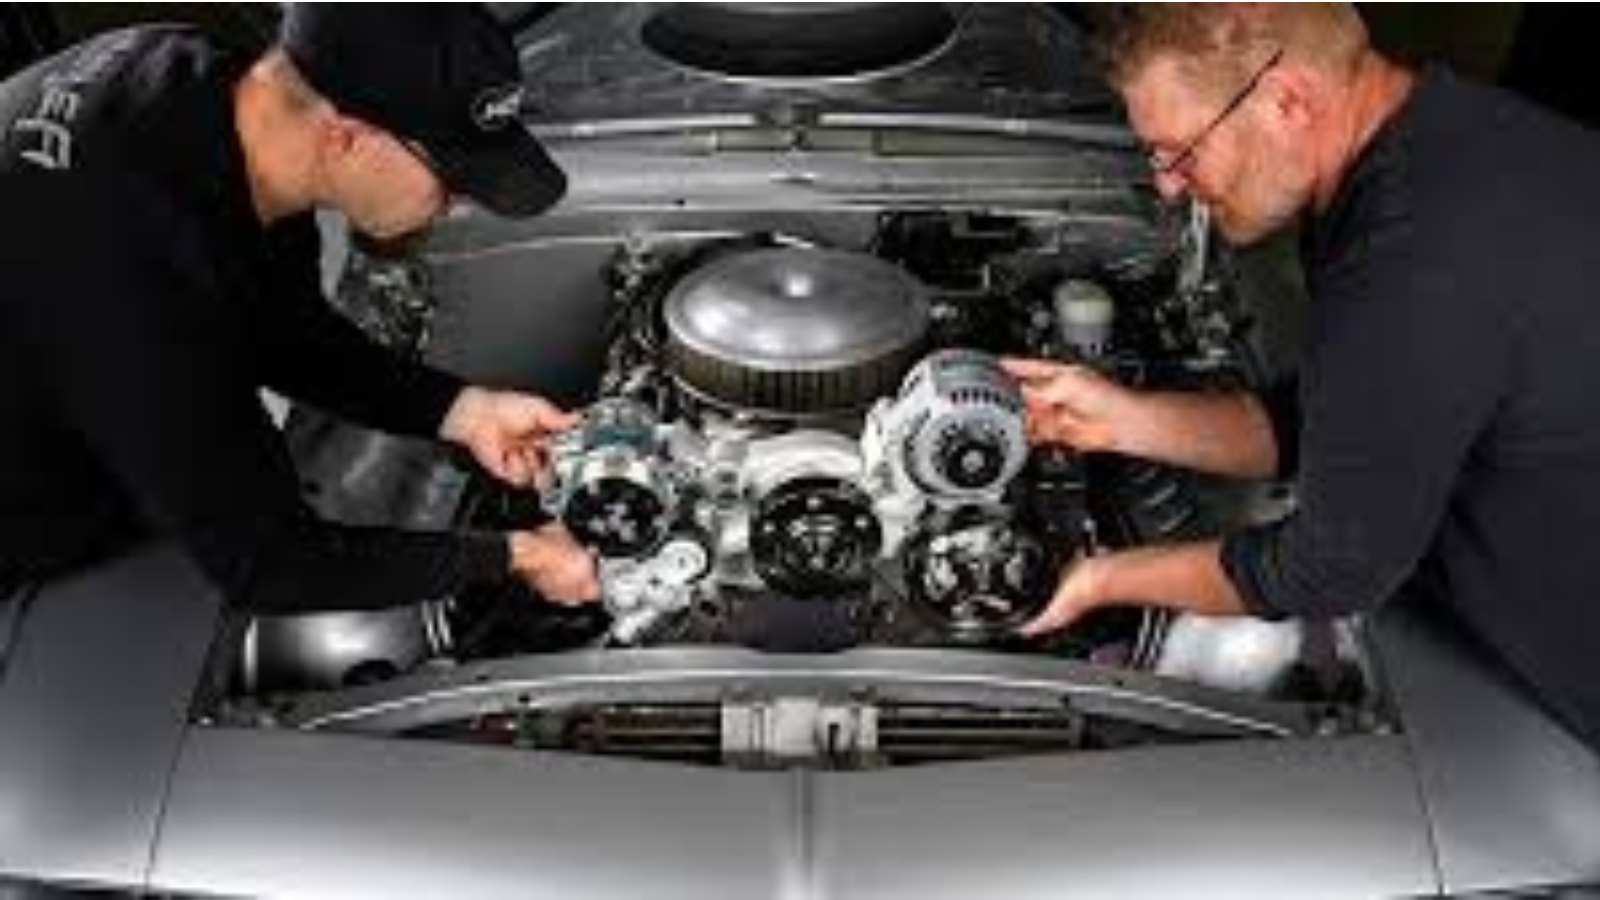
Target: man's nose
[1171,185]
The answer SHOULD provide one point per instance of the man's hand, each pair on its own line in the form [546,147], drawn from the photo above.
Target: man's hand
[507,432]
[1182,577]
[1071,406]
[555,565]
[1227,434]
[1076,597]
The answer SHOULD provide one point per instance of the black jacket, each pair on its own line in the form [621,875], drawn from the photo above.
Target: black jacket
[1451,440]
[143,308]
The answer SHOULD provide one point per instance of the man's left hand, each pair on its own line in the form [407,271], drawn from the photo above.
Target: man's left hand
[507,432]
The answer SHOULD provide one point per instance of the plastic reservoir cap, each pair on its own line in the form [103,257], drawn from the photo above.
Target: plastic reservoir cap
[1084,303]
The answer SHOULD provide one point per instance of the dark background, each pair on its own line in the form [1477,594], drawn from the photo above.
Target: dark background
[1541,49]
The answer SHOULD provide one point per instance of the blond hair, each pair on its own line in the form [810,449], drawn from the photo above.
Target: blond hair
[1217,45]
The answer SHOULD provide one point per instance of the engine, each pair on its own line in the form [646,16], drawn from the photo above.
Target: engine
[805,448]
[821,455]
[789,454]
[677,511]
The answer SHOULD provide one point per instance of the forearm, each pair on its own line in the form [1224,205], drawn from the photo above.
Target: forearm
[1220,434]
[308,351]
[335,368]
[1187,578]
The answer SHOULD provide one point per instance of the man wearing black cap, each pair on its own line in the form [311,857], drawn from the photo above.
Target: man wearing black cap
[161,266]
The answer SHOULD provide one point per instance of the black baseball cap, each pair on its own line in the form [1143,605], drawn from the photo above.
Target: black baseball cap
[443,75]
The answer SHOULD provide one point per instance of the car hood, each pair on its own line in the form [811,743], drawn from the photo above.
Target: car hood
[356,818]
[193,808]
[588,63]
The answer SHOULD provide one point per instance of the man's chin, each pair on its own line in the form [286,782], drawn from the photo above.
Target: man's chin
[1244,235]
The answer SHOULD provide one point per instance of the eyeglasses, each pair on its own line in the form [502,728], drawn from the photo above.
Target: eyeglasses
[1180,162]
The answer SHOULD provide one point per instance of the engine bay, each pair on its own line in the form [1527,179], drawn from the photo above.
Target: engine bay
[798,449]
[805,448]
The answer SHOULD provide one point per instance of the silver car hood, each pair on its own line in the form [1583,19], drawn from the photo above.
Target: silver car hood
[104,780]
[593,63]
[363,818]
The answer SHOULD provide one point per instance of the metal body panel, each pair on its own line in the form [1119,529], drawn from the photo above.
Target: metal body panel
[531,316]
[287,814]
[668,675]
[92,714]
[302,815]
[1513,797]
[588,62]
[1329,818]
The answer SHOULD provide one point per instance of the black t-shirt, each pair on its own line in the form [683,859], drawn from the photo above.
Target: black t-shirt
[1450,391]
[143,308]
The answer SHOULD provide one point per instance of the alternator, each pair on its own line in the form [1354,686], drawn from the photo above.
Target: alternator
[957,430]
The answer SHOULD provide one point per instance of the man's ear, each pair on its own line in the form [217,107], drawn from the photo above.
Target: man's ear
[1293,96]
[336,136]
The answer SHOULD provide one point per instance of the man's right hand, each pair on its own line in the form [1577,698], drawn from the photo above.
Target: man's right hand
[556,566]
[1224,433]
[508,433]
[1072,406]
